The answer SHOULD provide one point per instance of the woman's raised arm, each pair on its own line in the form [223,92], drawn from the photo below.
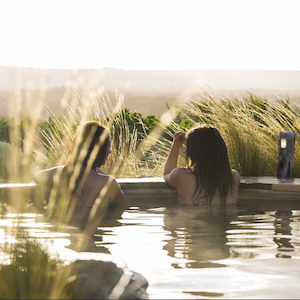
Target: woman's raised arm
[171,162]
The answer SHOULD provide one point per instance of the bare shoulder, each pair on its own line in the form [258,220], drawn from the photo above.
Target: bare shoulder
[236,177]
[180,171]
[44,176]
[114,189]
[175,176]
[233,197]
[112,181]
[102,180]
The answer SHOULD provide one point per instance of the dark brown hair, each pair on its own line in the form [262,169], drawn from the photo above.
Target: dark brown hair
[207,158]
[88,152]
[91,136]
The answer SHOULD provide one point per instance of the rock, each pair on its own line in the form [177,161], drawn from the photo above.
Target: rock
[93,279]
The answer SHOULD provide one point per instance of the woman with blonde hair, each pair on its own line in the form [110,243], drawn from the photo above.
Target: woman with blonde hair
[207,177]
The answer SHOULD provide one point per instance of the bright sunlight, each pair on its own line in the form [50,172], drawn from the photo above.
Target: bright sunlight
[160,35]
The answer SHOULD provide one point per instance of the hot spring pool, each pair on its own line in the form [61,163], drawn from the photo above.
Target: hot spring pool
[191,254]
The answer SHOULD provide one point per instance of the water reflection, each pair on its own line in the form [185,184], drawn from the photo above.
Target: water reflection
[198,236]
[206,253]
[282,222]
[204,237]
[87,236]
[58,238]
[205,294]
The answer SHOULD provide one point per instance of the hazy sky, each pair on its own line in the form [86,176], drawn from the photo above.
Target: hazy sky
[151,34]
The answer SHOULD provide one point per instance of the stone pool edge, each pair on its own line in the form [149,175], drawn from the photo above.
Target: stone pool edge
[253,191]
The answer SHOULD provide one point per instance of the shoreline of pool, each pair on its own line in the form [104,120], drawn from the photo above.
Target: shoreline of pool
[253,191]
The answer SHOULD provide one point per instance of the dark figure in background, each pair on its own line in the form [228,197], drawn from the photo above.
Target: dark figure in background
[80,185]
[207,177]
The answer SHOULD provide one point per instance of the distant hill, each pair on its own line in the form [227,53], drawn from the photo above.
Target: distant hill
[146,105]
[148,92]
[152,82]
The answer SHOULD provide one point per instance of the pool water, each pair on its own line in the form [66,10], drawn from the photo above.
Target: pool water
[188,253]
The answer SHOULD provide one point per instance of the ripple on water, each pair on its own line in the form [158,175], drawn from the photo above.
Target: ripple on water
[186,253]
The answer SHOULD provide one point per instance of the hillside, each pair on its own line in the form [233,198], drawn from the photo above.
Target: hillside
[148,92]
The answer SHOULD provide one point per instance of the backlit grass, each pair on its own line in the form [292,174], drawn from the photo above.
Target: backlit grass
[249,126]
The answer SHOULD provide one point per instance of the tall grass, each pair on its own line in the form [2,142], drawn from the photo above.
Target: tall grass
[29,271]
[48,147]
[250,129]
[44,148]
[126,160]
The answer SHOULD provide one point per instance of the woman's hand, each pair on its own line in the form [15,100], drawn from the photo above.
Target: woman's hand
[179,139]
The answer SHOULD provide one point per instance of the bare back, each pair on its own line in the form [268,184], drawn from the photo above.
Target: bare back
[96,186]
[100,186]
[185,182]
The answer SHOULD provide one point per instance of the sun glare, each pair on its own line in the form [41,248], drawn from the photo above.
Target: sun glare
[150,35]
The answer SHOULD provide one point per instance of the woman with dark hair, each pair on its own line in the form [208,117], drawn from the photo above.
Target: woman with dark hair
[207,177]
[80,182]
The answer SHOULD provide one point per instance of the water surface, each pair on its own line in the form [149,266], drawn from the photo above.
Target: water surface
[191,254]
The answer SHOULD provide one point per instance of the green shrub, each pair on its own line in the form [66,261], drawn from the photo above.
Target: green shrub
[4,157]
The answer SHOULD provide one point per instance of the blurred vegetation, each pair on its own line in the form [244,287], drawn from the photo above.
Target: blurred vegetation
[140,145]
[55,136]
[29,272]
[250,126]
